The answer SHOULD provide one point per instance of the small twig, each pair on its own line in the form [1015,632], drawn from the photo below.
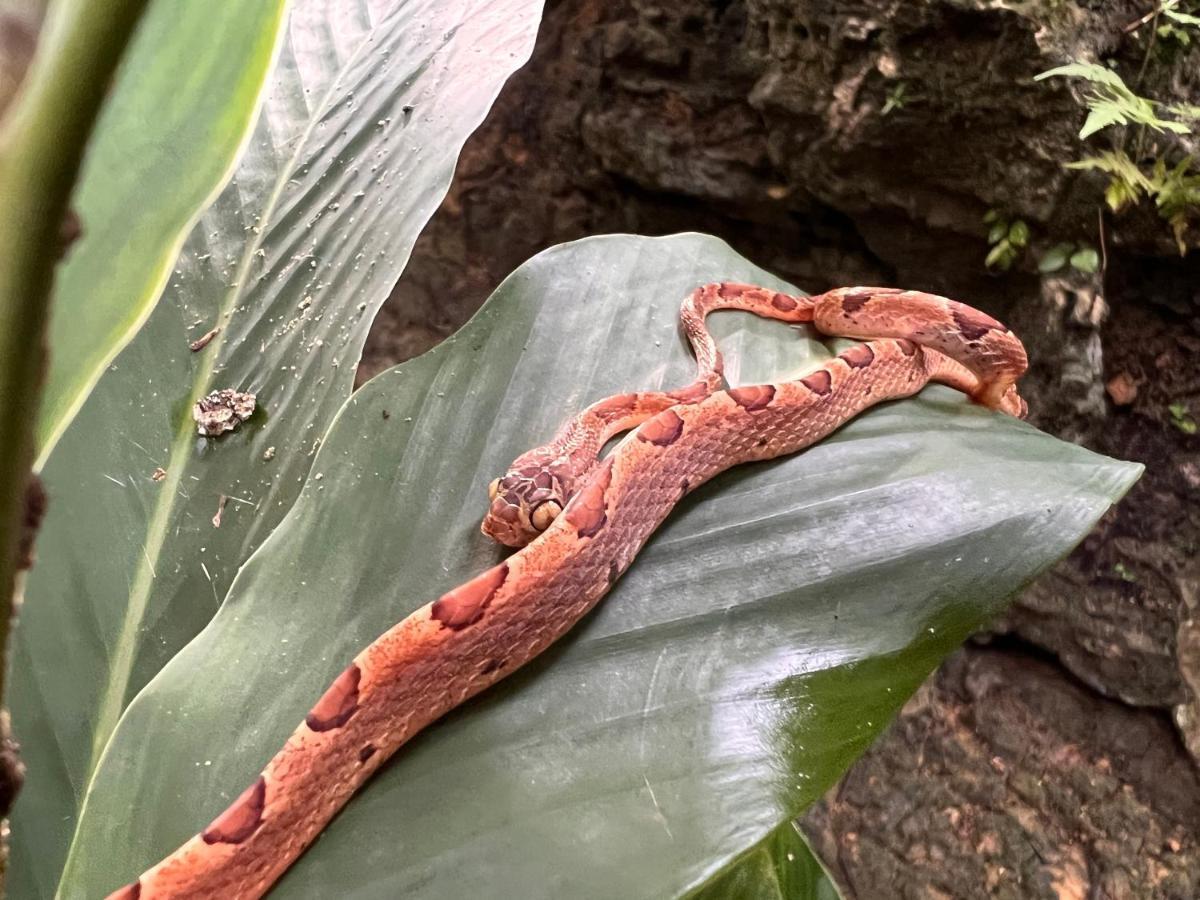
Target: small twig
[1150,44]
[1103,246]
[1138,23]
[1151,16]
[201,342]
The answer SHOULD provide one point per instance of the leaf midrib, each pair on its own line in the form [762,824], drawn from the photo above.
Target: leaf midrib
[111,705]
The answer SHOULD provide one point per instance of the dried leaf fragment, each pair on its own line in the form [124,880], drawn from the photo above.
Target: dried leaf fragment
[216,520]
[201,342]
[158,474]
[1122,389]
[222,411]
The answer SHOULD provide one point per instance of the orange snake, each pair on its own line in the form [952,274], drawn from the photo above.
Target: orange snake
[580,521]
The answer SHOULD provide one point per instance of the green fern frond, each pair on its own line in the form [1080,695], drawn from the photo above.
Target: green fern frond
[1127,183]
[1113,103]
[1177,196]
[1093,72]
[1181,18]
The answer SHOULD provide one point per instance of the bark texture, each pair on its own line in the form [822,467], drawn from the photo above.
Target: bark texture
[862,142]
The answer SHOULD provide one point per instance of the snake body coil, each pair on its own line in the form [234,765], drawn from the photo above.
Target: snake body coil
[580,522]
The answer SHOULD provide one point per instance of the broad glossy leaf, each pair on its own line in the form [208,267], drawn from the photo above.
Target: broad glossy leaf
[763,637]
[164,144]
[781,867]
[364,114]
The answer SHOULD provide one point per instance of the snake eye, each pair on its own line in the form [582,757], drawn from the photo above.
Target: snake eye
[493,488]
[545,514]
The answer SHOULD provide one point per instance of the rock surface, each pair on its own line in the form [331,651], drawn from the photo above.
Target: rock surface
[1002,779]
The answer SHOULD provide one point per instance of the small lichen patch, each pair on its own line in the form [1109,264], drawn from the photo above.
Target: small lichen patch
[222,411]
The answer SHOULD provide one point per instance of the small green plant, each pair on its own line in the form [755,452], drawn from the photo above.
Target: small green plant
[895,98]
[1180,28]
[1007,238]
[1112,102]
[1120,570]
[1116,108]
[1080,257]
[1181,418]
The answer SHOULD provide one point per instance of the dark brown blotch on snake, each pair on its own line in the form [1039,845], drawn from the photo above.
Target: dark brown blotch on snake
[241,819]
[754,397]
[854,300]
[618,403]
[586,511]
[338,703]
[819,382]
[366,753]
[783,302]
[663,430]
[858,357]
[690,394]
[464,605]
[972,323]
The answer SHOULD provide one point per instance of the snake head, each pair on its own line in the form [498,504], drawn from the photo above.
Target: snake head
[524,503]
[1013,404]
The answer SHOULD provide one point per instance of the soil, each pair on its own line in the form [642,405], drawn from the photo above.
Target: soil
[862,142]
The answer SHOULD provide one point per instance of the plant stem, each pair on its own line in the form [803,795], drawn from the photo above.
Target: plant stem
[1141,76]
[41,148]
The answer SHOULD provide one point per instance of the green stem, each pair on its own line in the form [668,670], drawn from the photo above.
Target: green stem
[41,149]
[1141,77]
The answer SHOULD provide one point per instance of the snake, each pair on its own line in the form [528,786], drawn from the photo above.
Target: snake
[579,518]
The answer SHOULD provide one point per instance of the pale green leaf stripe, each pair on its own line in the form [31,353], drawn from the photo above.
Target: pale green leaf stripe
[172,129]
[761,640]
[365,112]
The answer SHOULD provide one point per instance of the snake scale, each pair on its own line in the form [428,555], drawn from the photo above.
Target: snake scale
[579,521]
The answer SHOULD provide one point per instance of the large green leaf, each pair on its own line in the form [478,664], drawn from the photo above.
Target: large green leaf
[165,142]
[364,114]
[780,867]
[760,641]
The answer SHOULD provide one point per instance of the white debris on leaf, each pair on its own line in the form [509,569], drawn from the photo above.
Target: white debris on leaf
[222,411]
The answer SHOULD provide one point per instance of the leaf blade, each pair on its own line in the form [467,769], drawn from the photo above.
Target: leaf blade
[176,139]
[291,261]
[688,699]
